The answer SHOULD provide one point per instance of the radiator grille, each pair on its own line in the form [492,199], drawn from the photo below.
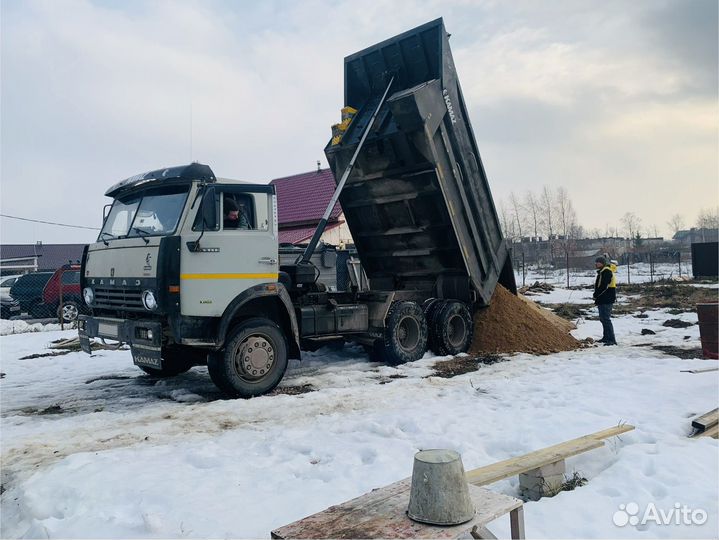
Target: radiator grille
[118,298]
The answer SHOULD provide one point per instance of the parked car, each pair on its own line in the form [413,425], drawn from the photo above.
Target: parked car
[6,282]
[27,290]
[9,307]
[66,280]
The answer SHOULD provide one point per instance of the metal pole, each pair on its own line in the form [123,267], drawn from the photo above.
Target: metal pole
[62,319]
[341,184]
[567,254]
[524,270]
[651,267]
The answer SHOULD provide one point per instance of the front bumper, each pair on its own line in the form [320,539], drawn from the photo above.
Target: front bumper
[143,337]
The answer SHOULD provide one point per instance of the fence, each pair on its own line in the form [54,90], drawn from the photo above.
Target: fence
[43,295]
[647,267]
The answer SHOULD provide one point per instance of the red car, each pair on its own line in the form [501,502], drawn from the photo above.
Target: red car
[66,280]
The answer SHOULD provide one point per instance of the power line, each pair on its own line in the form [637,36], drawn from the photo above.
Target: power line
[50,222]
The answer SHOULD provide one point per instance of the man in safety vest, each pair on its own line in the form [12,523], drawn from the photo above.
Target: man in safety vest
[605,294]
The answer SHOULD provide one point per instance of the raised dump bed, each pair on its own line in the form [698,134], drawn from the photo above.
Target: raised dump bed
[418,201]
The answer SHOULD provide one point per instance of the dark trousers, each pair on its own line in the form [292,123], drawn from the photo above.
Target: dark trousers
[605,316]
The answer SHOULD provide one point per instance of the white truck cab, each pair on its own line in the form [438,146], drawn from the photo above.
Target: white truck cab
[170,272]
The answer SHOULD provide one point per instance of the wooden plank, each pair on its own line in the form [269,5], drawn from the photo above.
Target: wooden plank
[706,420]
[703,370]
[533,460]
[712,432]
[382,514]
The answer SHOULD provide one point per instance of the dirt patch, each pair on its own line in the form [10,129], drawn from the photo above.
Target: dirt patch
[459,366]
[510,325]
[43,355]
[291,390]
[570,312]
[679,297]
[677,323]
[684,354]
[536,288]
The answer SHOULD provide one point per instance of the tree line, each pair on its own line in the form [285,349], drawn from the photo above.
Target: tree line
[550,214]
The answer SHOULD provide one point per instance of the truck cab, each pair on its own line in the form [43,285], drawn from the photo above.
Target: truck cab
[172,277]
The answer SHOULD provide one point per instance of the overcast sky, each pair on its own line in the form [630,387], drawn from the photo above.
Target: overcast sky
[614,100]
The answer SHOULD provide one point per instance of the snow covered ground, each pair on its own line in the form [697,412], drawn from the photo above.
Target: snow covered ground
[92,447]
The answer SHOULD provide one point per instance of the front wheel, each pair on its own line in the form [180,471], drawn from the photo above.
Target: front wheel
[253,361]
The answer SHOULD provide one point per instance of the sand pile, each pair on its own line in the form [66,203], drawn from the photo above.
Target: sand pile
[515,324]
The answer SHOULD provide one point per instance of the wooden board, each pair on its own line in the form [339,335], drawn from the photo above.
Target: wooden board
[381,513]
[539,458]
[712,432]
[706,420]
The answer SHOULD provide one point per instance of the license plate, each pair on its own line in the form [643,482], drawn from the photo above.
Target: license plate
[105,329]
[15,308]
[144,360]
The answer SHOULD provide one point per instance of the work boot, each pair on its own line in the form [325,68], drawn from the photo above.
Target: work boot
[609,343]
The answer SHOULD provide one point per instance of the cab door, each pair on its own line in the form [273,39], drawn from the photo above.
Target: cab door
[220,258]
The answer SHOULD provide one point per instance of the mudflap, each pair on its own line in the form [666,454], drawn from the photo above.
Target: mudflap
[84,342]
[146,355]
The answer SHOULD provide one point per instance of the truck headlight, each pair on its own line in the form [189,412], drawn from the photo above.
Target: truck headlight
[148,300]
[88,295]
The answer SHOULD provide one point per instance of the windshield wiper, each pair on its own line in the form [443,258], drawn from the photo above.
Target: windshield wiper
[142,232]
[103,233]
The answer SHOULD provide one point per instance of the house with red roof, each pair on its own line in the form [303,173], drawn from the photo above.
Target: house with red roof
[301,201]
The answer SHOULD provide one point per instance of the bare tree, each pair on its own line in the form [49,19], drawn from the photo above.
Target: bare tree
[517,213]
[676,223]
[567,223]
[506,222]
[632,226]
[532,205]
[546,203]
[708,219]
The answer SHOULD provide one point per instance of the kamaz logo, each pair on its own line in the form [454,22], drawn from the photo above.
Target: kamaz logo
[450,109]
[123,282]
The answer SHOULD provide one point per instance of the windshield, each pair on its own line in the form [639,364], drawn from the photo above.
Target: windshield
[150,213]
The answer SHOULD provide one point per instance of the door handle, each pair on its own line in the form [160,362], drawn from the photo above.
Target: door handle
[268,260]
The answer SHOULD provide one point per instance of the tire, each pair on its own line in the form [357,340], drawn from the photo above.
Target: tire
[452,328]
[430,308]
[175,361]
[253,361]
[68,311]
[405,335]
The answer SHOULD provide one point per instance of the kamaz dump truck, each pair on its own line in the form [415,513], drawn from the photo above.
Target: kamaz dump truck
[183,286]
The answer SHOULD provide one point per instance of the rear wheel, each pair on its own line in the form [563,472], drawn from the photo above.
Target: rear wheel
[452,328]
[405,333]
[430,308]
[253,361]
[175,361]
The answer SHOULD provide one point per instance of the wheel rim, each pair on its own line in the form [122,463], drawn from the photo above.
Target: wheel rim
[69,312]
[456,330]
[254,357]
[408,333]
